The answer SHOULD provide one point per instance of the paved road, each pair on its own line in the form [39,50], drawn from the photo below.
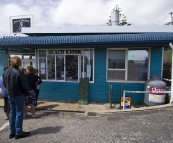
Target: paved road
[154,126]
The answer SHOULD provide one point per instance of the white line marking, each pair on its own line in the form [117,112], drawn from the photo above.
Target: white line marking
[4,126]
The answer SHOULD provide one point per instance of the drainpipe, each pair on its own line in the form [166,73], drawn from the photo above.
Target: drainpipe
[170,44]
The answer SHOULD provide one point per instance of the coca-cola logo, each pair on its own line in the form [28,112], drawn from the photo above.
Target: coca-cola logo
[156,90]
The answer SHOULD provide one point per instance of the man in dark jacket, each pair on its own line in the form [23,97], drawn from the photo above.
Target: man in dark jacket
[17,87]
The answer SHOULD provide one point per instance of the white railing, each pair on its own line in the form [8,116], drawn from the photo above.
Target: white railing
[125,91]
[166,79]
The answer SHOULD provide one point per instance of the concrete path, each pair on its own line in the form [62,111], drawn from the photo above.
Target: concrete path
[100,108]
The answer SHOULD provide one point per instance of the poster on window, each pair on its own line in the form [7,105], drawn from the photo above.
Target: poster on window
[88,70]
[43,71]
[18,24]
[43,65]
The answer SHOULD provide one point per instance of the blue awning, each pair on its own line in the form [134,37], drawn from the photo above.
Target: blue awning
[86,39]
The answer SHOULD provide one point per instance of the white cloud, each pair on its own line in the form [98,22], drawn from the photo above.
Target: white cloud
[85,12]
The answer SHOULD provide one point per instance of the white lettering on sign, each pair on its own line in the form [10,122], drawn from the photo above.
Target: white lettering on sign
[156,94]
[157,90]
[65,52]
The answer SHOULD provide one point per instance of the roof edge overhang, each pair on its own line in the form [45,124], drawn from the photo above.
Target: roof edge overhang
[78,30]
[93,44]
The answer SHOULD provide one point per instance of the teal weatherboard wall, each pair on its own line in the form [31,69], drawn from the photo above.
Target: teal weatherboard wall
[99,90]
[156,61]
[3,61]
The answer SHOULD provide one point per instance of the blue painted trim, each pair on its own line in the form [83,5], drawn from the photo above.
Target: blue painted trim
[81,39]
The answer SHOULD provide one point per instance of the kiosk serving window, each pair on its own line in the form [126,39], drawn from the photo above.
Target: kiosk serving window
[66,65]
[27,59]
[127,64]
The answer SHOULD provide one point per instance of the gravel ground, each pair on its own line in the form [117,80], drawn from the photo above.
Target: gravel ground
[151,126]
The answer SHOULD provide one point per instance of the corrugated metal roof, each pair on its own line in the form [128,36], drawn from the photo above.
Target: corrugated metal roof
[83,39]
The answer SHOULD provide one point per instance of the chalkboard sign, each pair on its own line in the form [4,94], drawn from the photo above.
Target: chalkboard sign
[83,91]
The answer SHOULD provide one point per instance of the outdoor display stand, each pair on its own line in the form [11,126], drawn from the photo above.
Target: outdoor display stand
[83,91]
[127,103]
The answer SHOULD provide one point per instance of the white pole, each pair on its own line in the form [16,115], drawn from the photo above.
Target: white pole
[170,44]
[124,92]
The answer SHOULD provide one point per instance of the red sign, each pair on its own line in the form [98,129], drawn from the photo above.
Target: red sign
[156,90]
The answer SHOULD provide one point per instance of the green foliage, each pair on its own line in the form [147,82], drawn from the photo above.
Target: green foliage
[122,16]
[139,102]
[130,61]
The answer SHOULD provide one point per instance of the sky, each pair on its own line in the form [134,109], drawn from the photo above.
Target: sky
[59,13]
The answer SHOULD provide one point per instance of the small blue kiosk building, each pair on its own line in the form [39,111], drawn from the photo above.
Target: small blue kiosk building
[123,56]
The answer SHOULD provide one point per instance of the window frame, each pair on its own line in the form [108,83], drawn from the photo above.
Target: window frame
[55,80]
[126,63]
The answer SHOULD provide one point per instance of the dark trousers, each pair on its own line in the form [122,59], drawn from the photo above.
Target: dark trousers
[36,94]
[6,105]
[16,114]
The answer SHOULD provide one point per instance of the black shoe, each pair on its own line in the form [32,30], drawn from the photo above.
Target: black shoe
[22,135]
[11,136]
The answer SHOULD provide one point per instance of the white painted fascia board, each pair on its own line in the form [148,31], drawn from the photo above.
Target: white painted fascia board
[99,29]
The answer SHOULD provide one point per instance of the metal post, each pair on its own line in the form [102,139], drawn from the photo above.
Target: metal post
[170,44]
[110,98]
[124,98]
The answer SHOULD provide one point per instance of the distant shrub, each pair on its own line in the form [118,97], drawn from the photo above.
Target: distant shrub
[130,61]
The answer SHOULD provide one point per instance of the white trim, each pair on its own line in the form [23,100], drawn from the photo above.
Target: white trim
[124,81]
[55,68]
[46,66]
[170,44]
[99,29]
[36,59]
[149,62]
[126,64]
[79,65]
[93,66]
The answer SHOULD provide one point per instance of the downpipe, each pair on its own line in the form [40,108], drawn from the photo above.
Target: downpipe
[170,44]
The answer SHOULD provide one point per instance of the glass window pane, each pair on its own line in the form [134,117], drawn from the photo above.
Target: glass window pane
[91,63]
[42,64]
[28,57]
[71,67]
[60,67]
[116,59]
[51,66]
[88,63]
[137,65]
[29,63]
[10,56]
[116,75]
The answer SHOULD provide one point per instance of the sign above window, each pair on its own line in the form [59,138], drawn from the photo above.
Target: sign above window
[66,52]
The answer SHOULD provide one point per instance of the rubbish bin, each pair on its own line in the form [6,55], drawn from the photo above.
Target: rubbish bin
[168,95]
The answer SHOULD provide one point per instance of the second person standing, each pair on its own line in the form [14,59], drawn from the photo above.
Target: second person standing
[31,101]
